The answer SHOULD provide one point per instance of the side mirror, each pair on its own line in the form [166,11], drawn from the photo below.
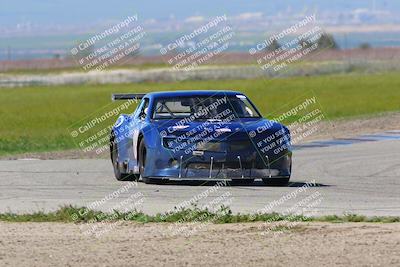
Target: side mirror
[144,113]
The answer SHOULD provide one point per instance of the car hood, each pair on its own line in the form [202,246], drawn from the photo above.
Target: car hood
[237,129]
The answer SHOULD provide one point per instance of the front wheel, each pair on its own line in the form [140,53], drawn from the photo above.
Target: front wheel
[142,165]
[117,171]
[276,181]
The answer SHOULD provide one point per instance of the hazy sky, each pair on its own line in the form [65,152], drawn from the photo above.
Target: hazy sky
[87,11]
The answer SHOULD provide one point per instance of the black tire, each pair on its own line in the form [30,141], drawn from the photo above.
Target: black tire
[276,181]
[142,166]
[241,181]
[117,171]
[142,158]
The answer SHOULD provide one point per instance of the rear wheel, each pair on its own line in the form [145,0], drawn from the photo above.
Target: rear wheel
[276,181]
[117,171]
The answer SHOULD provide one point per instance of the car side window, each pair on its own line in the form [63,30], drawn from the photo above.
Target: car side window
[144,109]
[137,109]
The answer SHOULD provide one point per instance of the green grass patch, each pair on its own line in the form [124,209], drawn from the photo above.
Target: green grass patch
[193,214]
[38,118]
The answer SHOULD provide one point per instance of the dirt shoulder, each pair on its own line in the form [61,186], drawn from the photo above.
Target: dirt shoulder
[346,128]
[343,128]
[250,244]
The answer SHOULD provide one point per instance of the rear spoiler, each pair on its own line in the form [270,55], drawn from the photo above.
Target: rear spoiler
[126,96]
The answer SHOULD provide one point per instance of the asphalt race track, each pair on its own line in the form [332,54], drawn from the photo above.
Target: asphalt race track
[360,178]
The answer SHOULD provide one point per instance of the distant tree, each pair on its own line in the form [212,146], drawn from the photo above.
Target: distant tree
[274,45]
[365,46]
[305,43]
[326,41]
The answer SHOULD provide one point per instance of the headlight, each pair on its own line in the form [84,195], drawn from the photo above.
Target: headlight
[174,163]
[169,142]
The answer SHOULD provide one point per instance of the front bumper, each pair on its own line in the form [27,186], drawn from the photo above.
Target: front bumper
[220,166]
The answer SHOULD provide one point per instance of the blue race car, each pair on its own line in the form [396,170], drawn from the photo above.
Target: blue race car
[199,135]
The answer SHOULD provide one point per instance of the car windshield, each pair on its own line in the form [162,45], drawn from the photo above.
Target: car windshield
[205,108]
